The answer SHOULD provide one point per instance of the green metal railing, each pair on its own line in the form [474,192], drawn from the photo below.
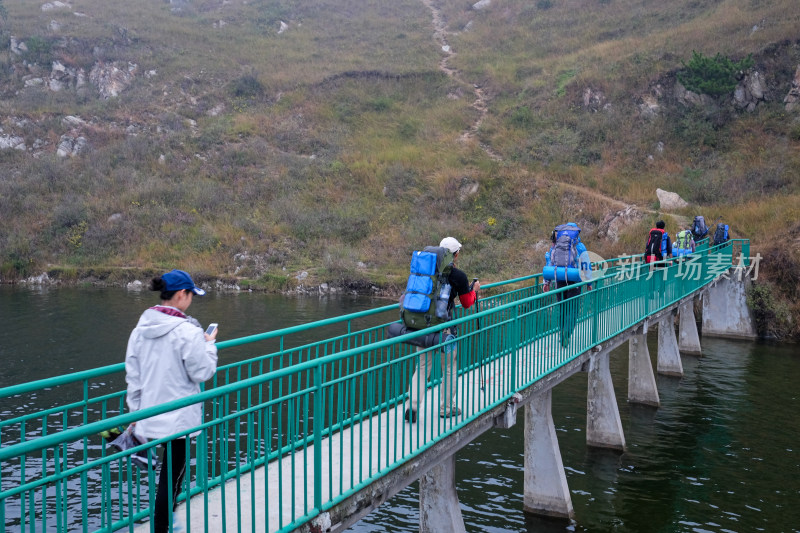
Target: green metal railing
[324,418]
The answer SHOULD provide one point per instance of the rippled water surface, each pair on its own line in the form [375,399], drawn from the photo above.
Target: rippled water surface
[720,454]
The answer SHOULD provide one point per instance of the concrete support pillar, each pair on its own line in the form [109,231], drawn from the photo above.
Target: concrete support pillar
[688,339]
[439,511]
[641,380]
[603,425]
[669,357]
[725,311]
[546,490]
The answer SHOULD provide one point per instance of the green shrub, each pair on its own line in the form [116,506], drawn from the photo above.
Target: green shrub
[771,315]
[522,118]
[40,51]
[269,283]
[713,76]
[247,86]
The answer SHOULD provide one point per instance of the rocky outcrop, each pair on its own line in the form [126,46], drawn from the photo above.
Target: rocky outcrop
[751,90]
[70,146]
[649,107]
[614,224]
[63,77]
[670,200]
[16,46]
[49,6]
[688,98]
[111,79]
[792,99]
[594,100]
[12,141]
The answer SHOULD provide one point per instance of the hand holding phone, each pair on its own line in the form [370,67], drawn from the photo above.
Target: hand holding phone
[211,331]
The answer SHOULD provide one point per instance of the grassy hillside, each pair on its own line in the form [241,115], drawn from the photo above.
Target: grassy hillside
[350,138]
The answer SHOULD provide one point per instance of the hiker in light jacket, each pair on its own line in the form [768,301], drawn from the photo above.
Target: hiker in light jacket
[168,357]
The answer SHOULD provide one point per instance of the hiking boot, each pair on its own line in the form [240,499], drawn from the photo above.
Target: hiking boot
[411,416]
[454,411]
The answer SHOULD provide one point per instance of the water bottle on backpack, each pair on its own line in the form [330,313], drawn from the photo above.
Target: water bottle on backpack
[442,301]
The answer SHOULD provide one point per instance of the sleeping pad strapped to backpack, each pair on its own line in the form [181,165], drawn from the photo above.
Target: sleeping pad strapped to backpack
[564,255]
[427,295]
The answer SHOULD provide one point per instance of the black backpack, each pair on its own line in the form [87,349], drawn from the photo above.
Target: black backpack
[721,233]
[655,249]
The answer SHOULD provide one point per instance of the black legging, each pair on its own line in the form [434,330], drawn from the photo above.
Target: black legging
[163,514]
[569,310]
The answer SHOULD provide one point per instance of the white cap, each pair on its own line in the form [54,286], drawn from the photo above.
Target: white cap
[451,244]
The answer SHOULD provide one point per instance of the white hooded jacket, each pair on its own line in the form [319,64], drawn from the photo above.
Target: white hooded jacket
[167,359]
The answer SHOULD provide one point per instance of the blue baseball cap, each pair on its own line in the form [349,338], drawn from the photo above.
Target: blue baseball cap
[177,280]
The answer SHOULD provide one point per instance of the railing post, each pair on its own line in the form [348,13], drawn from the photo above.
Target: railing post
[318,423]
[515,335]
[595,313]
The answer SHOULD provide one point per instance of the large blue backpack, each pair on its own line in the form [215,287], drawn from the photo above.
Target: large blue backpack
[425,302]
[564,254]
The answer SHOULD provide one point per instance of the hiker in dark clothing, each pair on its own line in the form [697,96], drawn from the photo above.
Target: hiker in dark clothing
[659,245]
[570,264]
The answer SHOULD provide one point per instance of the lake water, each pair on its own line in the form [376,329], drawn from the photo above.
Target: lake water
[721,454]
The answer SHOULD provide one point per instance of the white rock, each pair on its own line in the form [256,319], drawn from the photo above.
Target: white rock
[670,200]
[483,4]
[283,27]
[12,141]
[65,146]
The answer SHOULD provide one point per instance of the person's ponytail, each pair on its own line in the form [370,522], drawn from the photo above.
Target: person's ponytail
[159,285]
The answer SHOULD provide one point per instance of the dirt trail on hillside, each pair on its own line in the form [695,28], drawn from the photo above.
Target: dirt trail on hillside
[481,104]
[440,34]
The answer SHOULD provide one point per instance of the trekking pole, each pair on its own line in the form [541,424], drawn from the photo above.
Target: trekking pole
[477,328]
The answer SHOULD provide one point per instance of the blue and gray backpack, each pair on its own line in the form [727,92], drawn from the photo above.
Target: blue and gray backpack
[564,254]
[427,294]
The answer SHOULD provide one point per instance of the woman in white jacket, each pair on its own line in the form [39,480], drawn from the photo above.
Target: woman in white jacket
[168,357]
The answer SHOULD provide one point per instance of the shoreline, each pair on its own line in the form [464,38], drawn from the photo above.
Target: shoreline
[133,279]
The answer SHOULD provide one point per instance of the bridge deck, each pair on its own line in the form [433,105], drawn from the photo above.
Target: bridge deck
[350,458]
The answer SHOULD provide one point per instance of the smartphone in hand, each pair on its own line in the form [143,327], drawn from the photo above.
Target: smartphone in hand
[211,328]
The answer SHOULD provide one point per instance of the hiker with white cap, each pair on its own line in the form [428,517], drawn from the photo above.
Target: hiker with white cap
[467,295]
[168,357]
